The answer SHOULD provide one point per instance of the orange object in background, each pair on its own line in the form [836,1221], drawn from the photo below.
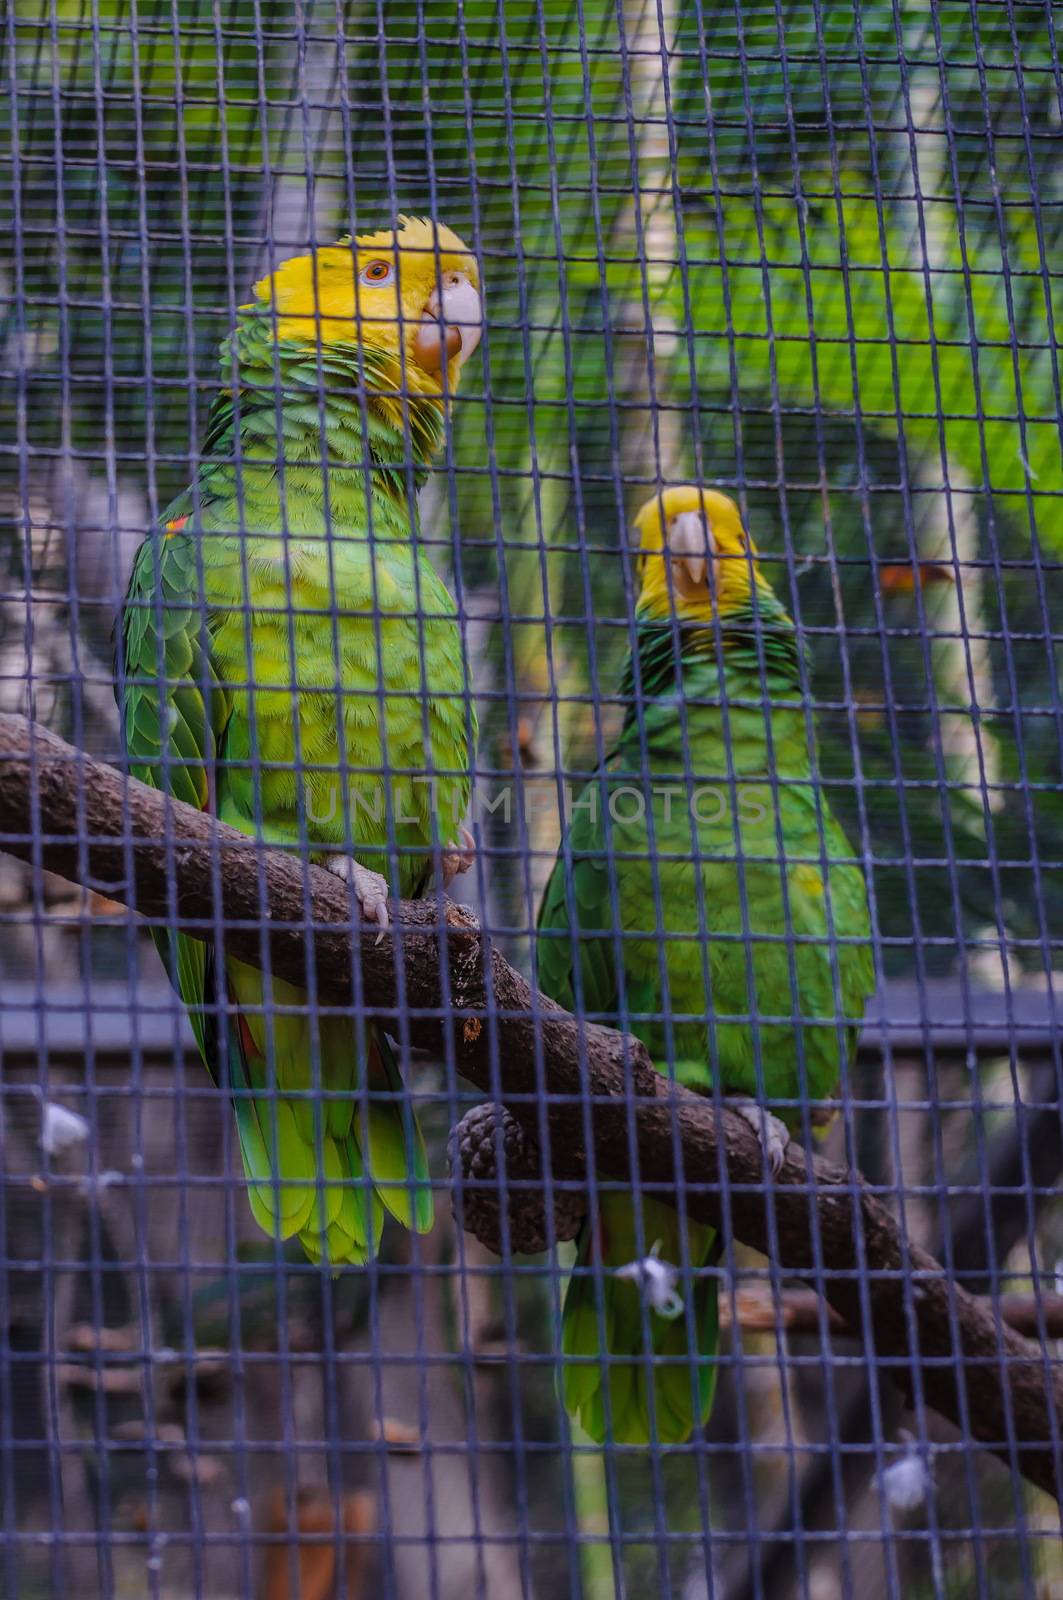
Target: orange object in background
[315,1540]
[902,577]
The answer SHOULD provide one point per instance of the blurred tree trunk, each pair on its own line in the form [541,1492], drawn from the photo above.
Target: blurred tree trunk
[654,444]
[304,194]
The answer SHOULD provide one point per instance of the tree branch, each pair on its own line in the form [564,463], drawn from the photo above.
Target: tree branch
[456,995]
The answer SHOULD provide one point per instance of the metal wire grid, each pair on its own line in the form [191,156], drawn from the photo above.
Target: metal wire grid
[839,225]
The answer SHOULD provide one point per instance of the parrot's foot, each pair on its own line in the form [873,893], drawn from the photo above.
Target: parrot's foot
[370,888]
[774,1135]
[458,857]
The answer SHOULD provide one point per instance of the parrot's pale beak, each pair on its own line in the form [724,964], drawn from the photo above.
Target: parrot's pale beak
[691,547]
[451,325]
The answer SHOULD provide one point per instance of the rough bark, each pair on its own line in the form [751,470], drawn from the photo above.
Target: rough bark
[442,985]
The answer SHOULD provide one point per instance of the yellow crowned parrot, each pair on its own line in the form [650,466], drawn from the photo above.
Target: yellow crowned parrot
[290,660]
[704,895]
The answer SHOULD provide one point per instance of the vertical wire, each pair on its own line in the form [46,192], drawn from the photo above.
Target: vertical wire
[320,1096]
[586,1110]
[472,1431]
[924,625]
[50,1273]
[359,1007]
[142,1277]
[526,302]
[218,1001]
[11,1550]
[360,1010]
[749,939]
[610,1452]
[808,701]
[416,616]
[730,334]
[960,205]
[1014,696]
[48,1375]
[599,791]
[259,771]
[180,1109]
[821,859]
[918,1403]
[693,409]
[925,636]
[658,930]
[1038,562]
[199,621]
[359,1041]
[889,1540]
[518,1441]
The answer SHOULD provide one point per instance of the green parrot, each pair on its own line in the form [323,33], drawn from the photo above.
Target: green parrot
[704,895]
[290,660]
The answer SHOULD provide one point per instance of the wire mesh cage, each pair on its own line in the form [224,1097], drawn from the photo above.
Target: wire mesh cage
[601,462]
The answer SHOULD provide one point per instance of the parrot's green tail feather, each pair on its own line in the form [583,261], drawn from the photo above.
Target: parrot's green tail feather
[325,1171]
[397,1156]
[605,1312]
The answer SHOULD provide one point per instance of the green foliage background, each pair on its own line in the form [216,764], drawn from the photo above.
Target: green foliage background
[854,316]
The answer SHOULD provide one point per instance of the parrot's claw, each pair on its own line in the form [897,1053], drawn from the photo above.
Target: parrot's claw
[773,1135]
[370,888]
[458,857]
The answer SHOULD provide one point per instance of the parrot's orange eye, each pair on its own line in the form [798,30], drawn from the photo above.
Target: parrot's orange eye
[376,273]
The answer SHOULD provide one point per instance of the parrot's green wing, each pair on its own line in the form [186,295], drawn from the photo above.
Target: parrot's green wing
[628,1372]
[175,715]
[176,712]
[582,935]
[578,971]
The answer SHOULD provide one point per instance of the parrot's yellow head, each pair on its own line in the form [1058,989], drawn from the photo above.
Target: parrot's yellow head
[411,295]
[695,558]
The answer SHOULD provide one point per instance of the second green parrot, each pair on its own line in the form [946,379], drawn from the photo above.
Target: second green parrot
[705,898]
